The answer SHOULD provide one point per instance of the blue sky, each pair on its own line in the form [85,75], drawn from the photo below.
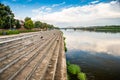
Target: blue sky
[65,13]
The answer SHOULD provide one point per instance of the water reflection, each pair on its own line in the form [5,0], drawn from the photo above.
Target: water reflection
[94,42]
[97,53]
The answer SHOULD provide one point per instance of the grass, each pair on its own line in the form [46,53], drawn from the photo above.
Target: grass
[9,32]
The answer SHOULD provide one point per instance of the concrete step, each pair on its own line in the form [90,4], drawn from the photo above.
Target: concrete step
[11,57]
[32,56]
[5,45]
[13,48]
[61,73]
[14,45]
[50,72]
[17,49]
[10,37]
[23,58]
[34,64]
[40,70]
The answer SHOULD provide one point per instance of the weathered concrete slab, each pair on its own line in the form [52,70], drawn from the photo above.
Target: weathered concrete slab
[33,56]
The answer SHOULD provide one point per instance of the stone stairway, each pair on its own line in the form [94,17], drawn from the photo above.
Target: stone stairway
[33,56]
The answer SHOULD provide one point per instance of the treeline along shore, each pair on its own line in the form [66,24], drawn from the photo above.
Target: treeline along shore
[111,28]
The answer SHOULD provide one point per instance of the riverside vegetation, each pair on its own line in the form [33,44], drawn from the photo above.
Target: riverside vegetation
[110,28]
[10,32]
[73,70]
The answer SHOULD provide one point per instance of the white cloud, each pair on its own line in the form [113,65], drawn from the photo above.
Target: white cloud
[44,10]
[56,5]
[98,14]
[94,2]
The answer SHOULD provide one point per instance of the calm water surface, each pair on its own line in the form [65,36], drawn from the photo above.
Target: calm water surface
[97,53]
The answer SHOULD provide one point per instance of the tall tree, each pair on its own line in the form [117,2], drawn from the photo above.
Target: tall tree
[17,24]
[38,24]
[27,18]
[6,17]
[29,24]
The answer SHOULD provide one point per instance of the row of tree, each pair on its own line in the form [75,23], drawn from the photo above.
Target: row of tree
[7,20]
[29,24]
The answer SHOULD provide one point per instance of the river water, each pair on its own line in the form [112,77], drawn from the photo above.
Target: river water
[97,53]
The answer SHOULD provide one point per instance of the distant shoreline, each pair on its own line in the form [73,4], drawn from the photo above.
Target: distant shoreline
[112,28]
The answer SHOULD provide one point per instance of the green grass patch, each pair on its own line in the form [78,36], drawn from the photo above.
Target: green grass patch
[9,32]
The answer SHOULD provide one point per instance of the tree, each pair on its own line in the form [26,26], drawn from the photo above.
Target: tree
[27,18]
[44,25]
[29,24]
[38,24]
[6,17]
[17,24]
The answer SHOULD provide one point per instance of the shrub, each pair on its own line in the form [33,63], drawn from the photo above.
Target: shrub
[29,24]
[8,32]
[81,76]
[74,72]
[12,32]
[73,69]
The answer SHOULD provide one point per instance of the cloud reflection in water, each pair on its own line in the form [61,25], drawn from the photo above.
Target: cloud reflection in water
[93,42]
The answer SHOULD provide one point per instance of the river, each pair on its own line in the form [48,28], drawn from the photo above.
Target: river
[97,53]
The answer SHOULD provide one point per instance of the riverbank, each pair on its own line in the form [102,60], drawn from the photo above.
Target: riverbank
[73,71]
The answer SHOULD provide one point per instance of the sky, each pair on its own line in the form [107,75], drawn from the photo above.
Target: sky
[68,13]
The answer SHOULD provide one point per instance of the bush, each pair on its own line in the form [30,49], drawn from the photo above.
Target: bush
[74,72]
[8,32]
[29,24]
[81,76]
[73,69]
